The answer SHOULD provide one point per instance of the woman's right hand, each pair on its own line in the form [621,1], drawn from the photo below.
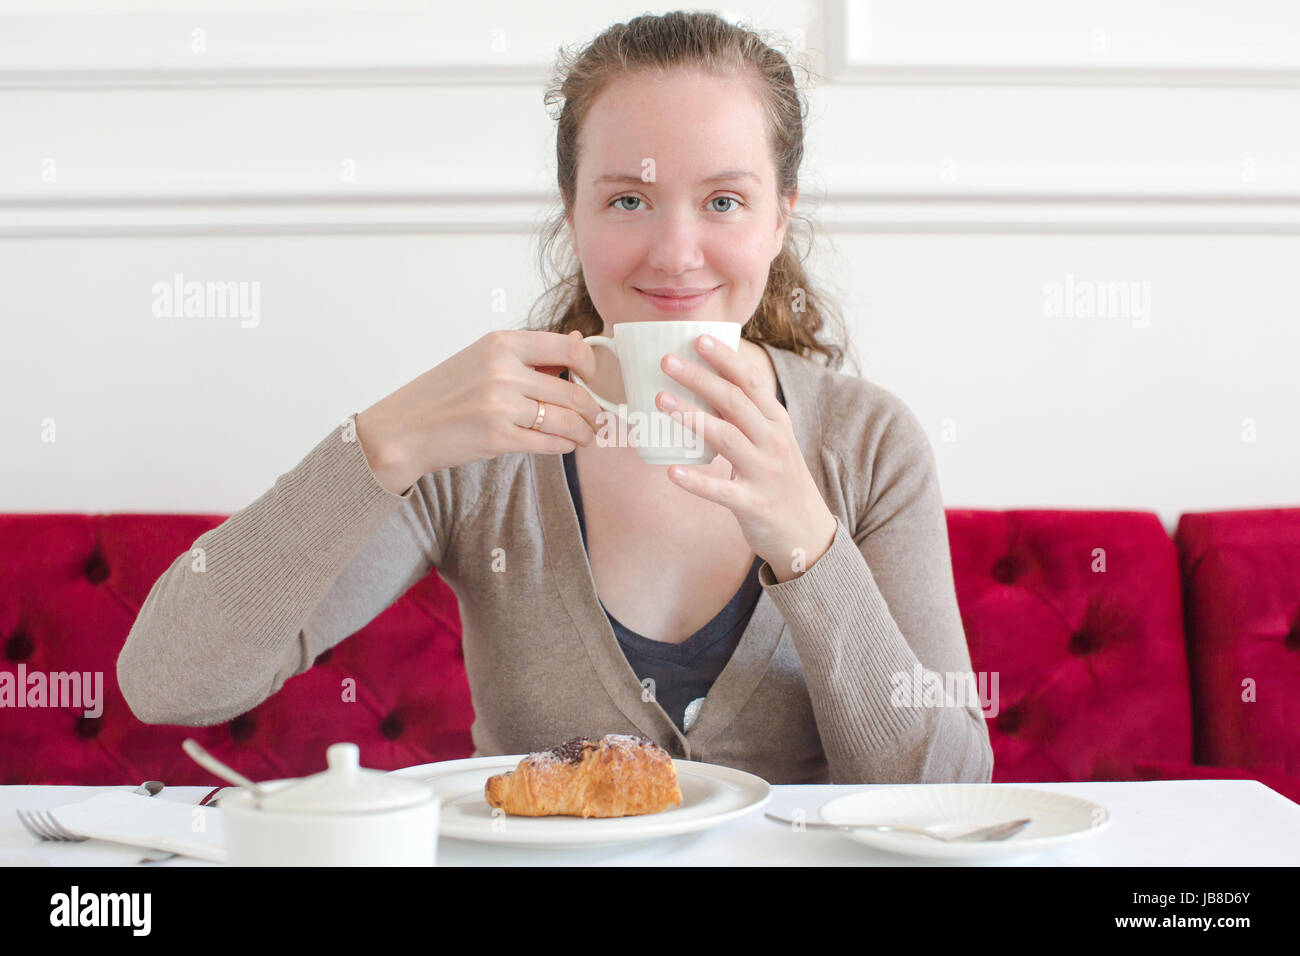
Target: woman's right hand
[479,404]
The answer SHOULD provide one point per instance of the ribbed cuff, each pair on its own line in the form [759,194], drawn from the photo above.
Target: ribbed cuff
[849,646]
[271,563]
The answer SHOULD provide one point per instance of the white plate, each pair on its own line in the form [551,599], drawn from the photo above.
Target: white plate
[961,807]
[711,795]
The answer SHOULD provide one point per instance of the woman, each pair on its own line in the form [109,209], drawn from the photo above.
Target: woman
[776,609]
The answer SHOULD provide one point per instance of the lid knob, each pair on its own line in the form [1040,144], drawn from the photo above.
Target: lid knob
[344,758]
[347,787]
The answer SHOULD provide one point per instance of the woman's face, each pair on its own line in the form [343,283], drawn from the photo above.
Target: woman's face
[682,229]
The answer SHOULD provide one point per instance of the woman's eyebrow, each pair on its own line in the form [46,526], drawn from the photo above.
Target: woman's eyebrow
[726,175]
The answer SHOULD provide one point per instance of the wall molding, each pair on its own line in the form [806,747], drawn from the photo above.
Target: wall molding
[865,42]
[524,212]
[254,49]
[1061,213]
[900,74]
[871,42]
[282,213]
[916,52]
[499,74]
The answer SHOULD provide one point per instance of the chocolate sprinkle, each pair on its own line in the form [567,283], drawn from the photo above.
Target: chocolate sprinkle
[573,749]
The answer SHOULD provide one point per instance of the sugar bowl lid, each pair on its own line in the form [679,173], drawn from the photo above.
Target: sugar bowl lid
[347,787]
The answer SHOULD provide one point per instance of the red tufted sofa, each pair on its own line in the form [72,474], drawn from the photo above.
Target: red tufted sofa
[1119,654]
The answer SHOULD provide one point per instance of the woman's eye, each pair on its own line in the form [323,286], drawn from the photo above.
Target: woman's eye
[730,199]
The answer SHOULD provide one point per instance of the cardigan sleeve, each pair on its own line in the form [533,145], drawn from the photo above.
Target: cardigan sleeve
[309,562]
[878,631]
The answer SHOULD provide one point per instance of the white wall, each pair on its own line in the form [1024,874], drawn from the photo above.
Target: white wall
[376,170]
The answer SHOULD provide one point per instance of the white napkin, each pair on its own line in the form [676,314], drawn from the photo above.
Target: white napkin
[138,820]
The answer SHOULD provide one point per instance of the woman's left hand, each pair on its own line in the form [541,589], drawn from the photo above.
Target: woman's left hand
[771,492]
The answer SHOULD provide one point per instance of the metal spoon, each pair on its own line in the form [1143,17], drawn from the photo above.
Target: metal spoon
[999,831]
[209,762]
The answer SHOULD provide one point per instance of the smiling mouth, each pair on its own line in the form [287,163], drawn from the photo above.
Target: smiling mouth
[673,301]
[677,293]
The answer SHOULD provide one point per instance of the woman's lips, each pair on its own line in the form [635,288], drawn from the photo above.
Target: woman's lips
[666,303]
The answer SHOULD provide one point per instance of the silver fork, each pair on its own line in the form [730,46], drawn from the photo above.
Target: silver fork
[999,831]
[43,826]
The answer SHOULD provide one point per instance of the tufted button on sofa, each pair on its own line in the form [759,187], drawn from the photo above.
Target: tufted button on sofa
[1105,650]
[1121,654]
[71,589]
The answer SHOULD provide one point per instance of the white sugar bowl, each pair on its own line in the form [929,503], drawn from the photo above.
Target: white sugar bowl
[345,816]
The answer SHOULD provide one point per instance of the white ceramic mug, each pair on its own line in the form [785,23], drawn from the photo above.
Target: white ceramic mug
[640,347]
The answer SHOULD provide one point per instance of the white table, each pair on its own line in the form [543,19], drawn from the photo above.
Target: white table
[1153,823]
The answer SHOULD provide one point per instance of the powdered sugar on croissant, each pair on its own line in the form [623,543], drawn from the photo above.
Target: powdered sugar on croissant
[613,776]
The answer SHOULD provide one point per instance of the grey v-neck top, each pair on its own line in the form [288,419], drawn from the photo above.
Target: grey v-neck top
[677,674]
[829,682]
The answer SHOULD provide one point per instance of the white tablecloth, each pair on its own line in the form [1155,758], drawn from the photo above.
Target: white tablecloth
[1153,823]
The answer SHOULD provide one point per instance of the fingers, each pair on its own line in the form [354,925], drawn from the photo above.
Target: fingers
[738,446]
[726,384]
[556,391]
[542,382]
[571,412]
[540,349]
[558,421]
[536,442]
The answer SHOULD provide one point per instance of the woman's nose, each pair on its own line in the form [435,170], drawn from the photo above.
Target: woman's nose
[675,247]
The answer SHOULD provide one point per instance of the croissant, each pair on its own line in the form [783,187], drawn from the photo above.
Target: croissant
[615,776]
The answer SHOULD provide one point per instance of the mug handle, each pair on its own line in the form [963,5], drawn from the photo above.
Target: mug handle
[609,406]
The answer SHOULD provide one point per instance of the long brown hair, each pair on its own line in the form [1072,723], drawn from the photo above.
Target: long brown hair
[792,314]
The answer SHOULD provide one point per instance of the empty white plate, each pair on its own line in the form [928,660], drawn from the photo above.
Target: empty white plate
[952,808]
[711,795]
